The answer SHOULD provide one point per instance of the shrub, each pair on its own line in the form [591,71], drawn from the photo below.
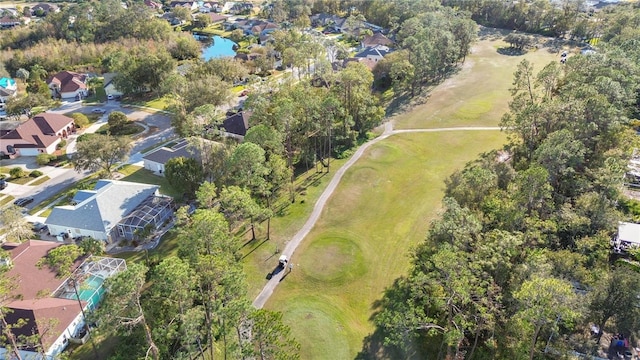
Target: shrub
[61,144]
[17,172]
[117,119]
[80,119]
[44,159]
[35,173]
[85,137]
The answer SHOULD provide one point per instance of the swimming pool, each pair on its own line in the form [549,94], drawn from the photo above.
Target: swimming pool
[90,290]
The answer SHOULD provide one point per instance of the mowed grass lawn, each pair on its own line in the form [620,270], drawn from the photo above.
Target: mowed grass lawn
[385,202]
[479,94]
[382,207]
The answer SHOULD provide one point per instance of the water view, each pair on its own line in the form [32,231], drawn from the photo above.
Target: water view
[216,47]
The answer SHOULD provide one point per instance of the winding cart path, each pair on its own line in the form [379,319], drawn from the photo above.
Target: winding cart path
[292,245]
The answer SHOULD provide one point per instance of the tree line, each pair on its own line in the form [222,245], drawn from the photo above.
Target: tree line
[519,259]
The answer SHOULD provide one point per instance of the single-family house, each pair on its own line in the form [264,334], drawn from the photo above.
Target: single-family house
[377,39]
[369,63]
[8,89]
[156,160]
[324,19]
[11,12]
[109,86]
[112,210]
[191,5]
[7,22]
[38,135]
[153,4]
[375,53]
[68,85]
[628,237]
[42,9]
[216,18]
[373,27]
[252,26]
[46,307]
[172,19]
[237,124]
[209,6]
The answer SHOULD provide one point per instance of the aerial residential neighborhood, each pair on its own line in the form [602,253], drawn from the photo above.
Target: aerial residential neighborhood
[319,179]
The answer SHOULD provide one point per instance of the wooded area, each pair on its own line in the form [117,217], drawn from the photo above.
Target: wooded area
[520,261]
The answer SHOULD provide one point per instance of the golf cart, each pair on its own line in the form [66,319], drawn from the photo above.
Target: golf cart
[282,262]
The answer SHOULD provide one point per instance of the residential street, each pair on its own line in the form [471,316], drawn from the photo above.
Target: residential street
[158,129]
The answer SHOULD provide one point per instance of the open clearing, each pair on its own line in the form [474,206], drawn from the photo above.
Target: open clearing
[479,94]
[384,204]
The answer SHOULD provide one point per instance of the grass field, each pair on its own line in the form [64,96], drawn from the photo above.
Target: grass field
[479,94]
[360,245]
[383,206]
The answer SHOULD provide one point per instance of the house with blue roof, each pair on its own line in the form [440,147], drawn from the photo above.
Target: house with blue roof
[112,211]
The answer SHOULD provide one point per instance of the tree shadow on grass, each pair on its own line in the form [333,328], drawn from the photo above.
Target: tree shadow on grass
[511,51]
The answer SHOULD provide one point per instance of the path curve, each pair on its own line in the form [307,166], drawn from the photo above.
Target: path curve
[291,246]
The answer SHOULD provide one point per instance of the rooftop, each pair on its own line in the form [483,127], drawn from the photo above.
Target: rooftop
[103,207]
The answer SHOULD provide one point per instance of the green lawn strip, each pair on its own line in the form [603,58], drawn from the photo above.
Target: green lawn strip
[99,97]
[478,95]
[156,103]
[46,213]
[360,245]
[159,104]
[20,181]
[142,175]
[40,180]
[6,199]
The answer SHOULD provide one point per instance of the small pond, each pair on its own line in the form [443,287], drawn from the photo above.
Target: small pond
[216,47]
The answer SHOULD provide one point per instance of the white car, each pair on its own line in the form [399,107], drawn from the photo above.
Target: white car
[98,111]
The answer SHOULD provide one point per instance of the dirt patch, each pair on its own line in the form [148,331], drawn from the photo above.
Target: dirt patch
[632,194]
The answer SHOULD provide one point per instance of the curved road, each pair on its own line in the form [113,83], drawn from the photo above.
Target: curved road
[267,290]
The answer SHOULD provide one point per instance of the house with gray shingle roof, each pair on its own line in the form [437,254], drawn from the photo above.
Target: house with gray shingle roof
[155,161]
[99,213]
[375,53]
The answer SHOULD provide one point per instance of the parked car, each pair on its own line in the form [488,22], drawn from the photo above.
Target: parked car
[98,111]
[39,227]
[23,201]
[110,97]
[3,184]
